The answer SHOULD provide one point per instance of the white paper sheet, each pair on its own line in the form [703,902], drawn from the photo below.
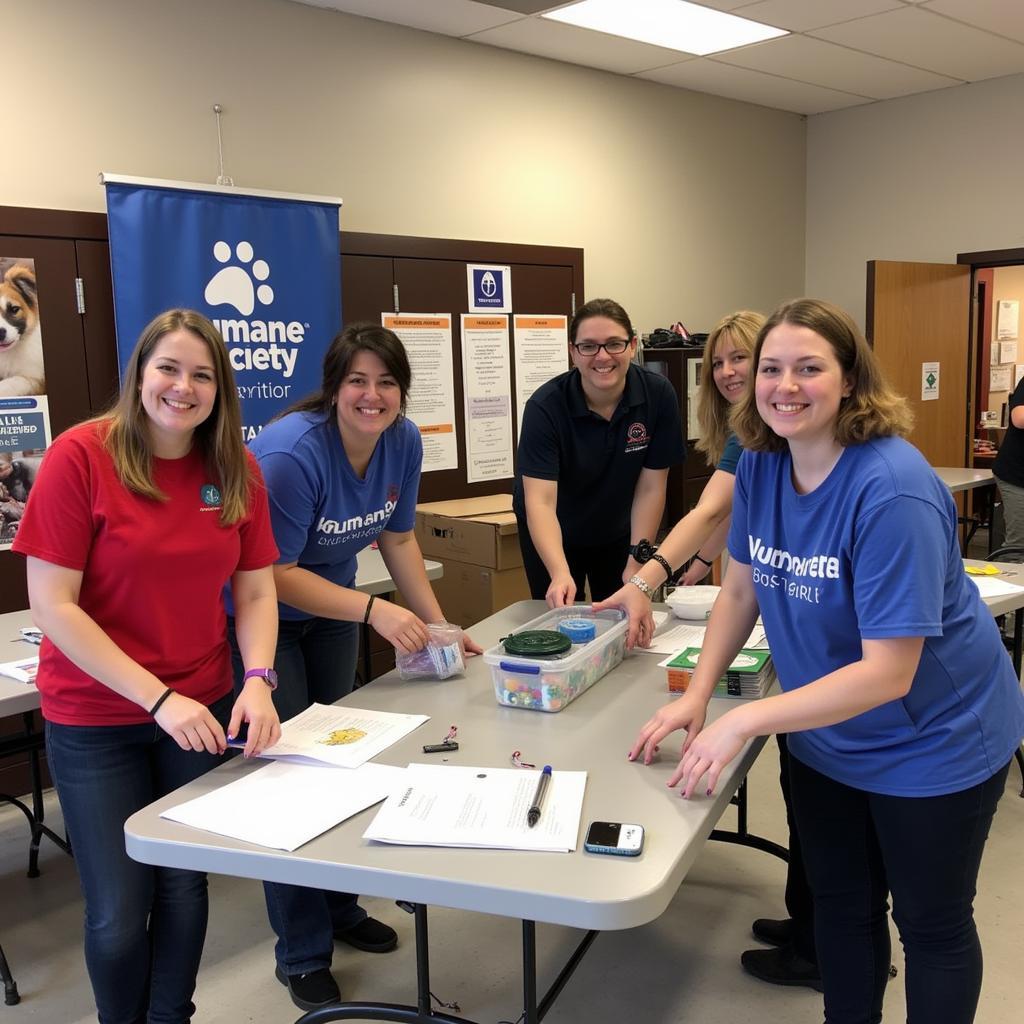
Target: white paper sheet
[992,586]
[454,805]
[342,736]
[285,805]
[672,635]
[23,671]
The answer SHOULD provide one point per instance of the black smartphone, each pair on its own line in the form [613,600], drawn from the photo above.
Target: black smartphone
[614,837]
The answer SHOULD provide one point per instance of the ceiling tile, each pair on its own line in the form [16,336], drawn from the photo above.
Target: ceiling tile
[722,5]
[1004,17]
[926,40]
[800,15]
[707,75]
[522,6]
[446,17]
[835,67]
[559,41]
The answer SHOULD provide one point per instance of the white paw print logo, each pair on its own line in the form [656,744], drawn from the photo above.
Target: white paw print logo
[234,285]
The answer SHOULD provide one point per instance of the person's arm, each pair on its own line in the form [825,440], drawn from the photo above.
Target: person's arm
[885,672]
[686,537]
[53,592]
[255,601]
[732,619]
[311,593]
[541,497]
[404,559]
[1017,416]
[645,512]
[705,554]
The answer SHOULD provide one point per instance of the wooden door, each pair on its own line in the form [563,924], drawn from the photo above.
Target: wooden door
[920,313]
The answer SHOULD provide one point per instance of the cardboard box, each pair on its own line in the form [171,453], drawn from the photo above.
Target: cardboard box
[477,531]
[468,593]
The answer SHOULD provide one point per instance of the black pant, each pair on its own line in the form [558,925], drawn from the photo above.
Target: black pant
[600,564]
[799,902]
[859,847]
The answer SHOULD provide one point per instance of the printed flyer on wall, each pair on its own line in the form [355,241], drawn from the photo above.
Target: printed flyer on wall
[427,338]
[542,352]
[24,413]
[486,384]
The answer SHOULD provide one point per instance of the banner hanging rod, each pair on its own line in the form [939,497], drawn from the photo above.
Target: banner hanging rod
[200,186]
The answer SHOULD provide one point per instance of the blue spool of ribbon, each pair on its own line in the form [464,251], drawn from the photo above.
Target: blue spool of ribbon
[579,631]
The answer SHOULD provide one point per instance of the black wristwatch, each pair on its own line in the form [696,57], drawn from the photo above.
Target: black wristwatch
[642,551]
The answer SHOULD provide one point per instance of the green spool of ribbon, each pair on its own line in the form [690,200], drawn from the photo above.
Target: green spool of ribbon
[537,643]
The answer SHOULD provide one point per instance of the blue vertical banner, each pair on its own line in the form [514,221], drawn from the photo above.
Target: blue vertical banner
[264,268]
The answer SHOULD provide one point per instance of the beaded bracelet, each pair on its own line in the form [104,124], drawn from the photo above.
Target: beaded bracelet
[663,562]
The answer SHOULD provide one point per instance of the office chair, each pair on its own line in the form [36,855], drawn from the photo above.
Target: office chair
[1013,554]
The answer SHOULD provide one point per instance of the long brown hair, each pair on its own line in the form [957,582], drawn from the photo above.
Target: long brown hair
[872,409]
[356,338]
[713,407]
[219,436]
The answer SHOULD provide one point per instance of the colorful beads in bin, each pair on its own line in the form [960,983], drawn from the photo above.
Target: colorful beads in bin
[551,684]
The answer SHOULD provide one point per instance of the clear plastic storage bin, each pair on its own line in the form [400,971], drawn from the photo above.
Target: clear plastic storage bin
[550,684]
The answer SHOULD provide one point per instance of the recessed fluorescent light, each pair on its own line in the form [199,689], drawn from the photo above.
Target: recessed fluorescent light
[674,24]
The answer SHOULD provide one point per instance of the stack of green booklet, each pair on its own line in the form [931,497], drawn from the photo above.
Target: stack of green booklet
[750,675]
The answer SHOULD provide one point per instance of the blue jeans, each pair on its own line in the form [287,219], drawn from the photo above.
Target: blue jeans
[144,926]
[858,847]
[316,664]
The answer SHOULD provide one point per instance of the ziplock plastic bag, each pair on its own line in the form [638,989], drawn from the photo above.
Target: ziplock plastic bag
[440,659]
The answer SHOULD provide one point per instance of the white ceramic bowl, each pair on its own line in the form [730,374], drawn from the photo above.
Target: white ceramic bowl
[692,602]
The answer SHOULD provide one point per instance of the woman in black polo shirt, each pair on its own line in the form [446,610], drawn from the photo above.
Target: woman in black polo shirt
[595,447]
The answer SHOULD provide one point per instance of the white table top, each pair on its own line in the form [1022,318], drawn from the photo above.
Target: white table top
[964,479]
[16,697]
[372,576]
[577,889]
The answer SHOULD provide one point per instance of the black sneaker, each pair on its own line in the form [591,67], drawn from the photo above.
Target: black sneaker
[370,935]
[775,933]
[311,990]
[782,966]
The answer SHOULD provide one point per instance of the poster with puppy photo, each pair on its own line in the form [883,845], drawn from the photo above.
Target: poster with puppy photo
[24,414]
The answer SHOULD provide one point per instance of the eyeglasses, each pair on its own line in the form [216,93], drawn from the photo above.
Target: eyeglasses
[614,346]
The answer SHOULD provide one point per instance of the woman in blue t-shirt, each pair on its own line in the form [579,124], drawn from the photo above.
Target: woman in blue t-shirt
[900,703]
[342,470]
[702,534]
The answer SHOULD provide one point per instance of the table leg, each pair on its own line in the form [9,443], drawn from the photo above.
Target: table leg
[31,742]
[742,836]
[11,997]
[533,1011]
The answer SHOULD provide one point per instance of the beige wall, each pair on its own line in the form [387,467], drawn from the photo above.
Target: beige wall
[920,178]
[687,206]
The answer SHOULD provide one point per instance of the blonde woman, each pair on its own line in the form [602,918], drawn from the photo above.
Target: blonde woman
[701,533]
[135,524]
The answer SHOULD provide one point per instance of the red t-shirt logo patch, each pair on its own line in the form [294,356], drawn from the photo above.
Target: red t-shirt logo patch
[637,438]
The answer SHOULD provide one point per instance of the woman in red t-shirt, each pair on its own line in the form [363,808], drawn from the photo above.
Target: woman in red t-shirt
[136,522]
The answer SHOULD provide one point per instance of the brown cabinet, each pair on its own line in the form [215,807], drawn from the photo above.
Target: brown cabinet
[685,483]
